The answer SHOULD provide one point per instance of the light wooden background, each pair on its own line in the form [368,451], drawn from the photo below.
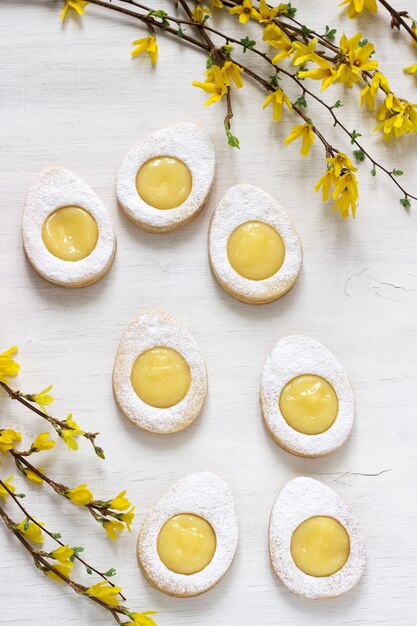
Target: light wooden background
[70,95]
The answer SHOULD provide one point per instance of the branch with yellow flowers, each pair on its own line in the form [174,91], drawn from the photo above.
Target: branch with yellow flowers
[114,515]
[346,63]
[67,429]
[58,565]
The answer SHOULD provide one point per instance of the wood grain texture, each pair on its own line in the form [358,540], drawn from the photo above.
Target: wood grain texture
[71,96]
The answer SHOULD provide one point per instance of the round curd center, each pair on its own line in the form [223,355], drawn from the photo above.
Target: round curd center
[320,546]
[186,543]
[70,233]
[255,250]
[309,404]
[161,377]
[164,182]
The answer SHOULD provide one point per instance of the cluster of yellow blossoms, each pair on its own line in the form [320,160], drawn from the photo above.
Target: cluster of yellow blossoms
[219,80]
[340,175]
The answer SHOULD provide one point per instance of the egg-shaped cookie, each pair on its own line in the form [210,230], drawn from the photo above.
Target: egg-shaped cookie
[255,252]
[307,400]
[159,375]
[68,236]
[189,538]
[164,181]
[315,543]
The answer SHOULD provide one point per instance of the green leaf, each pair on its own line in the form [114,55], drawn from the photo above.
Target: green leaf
[373,171]
[405,202]
[209,62]
[26,526]
[20,495]
[397,172]
[180,32]
[306,31]
[290,10]
[111,572]
[354,135]
[162,15]
[247,43]
[89,570]
[337,104]
[232,140]
[330,33]
[274,80]
[359,155]
[301,101]
[56,535]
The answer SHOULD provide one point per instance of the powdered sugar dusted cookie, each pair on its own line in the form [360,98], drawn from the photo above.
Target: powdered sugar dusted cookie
[159,376]
[164,181]
[315,543]
[188,540]
[306,397]
[254,250]
[68,236]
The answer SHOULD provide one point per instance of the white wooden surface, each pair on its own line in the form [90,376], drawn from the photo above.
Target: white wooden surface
[71,96]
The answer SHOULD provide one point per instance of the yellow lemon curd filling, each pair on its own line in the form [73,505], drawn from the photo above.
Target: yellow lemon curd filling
[255,250]
[161,377]
[320,546]
[164,182]
[186,543]
[70,233]
[309,404]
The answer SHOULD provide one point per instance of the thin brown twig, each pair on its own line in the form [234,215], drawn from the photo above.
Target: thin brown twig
[398,19]
[17,395]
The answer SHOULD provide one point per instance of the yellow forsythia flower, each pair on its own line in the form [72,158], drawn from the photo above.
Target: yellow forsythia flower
[141,619]
[326,72]
[30,530]
[43,398]
[379,81]
[326,182]
[80,495]
[411,69]
[42,442]
[3,492]
[147,44]
[8,366]
[63,555]
[68,434]
[120,503]
[214,84]
[276,38]
[245,11]
[64,569]
[341,162]
[105,592]
[7,438]
[346,194]
[303,53]
[200,13]
[127,518]
[232,71]
[75,5]
[217,3]
[31,475]
[112,527]
[278,98]
[368,97]
[305,132]
[357,6]
[266,13]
